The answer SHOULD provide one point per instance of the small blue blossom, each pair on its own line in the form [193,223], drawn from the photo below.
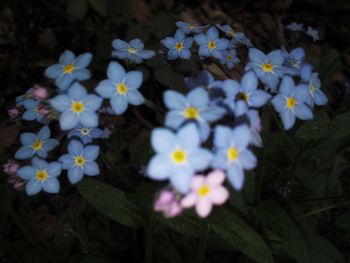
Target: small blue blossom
[313,84]
[237,37]
[132,51]
[232,154]
[86,134]
[32,111]
[194,107]
[295,26]
[178,156]
[313,33]
[244,40]
[294,60]
[179,46]
[268,67]
[41,176]
[121,88]
[229,58]
[77,106]
[106,132]
[255,128]
[239,97]
[80,160]
[190,27]
[290,102]
[34,144]
[26,96]
[210,45]
[69,68]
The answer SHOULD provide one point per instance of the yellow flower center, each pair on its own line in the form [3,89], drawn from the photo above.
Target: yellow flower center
[27,95]
[69,68]
[191,113]
[211,45]
[243,96]
[85,131]
[231,33]
[132,50]
[122,88]
[290,103]
[267,67]
[312,88]
[179,156]
[37,145]
[229,57]
[77,106]
[203,191]
[79,161]
[232,154]
[36,109]
[179,46]
[41,175]
[192,26]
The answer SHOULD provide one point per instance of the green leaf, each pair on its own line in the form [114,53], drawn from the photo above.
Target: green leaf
[77,8]
[328,66]
[317,128]
[110,201]
[100,6]
[169,78]
[274,219]
[323,251]
[239,234]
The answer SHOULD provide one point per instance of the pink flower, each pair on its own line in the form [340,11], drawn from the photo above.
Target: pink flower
[11,167]
[168,204]
[17,183]
[44,110]
[13,113]
[40,92]
[206,191]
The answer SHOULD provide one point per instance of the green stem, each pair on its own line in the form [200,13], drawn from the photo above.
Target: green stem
[320,210]
[154,106]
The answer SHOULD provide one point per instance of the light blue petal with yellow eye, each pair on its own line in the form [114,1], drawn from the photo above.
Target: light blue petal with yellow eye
[91,152]
[75,147]
[159,167]
[222,44]
[115,72]
[241,108]
[212,113]
[66,57]
[91,169]
[200,159]
[185,54]
[188,136]
[179,35]
[51,186]
[279,102]
[53,71]
[241,136]
[44,133]
[39,164]
[247,159]
[301,93]
[212,33]
[174,100]
[119,104]
[67,161]
[42,153]
[119,44]
[75,175]
[50,144]
[198,98]
[29,115]
[135,97]
[201,39]
[169,42]
[174,119]
[33,187]
[24,152]
[88,118]
[122,54]
[220,160]
[172,54]
[26,172]
[181,179]
[106,88]
[133,79]
[231,88]
[54,169]
[92,102]
[63,81]
[303,112]
[60,102]
[163,140]
[68,120]
[136,43]
[81,74]
[270,80]
[259,98]
[256,56]
[276,57]
[83,60]
[288,118]
[249,81]
[77,91]
[27,138]
[204,51]
[235,176]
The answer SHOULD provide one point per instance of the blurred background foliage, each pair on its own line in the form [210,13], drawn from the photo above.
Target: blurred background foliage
[294,206]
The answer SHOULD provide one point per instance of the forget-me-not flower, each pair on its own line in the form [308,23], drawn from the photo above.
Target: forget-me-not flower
[86,134]
[77,106]
[32,111]
[178,156]
[41,176]
[121,88]
[294,60]
[241,96]
[210,45]
[313,33]
[237,37]
[179,45]
[290,102]
[232,154]
[26,96]
[69,68]
[229,58]
[36,144]
[132,51]
[295,27]
[80,160]
[194,107]
[190,27]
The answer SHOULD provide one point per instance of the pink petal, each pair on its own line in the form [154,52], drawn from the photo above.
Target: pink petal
[203,207]
[197,182]
[218,195]
[216,177]
[189,200]
[174,210]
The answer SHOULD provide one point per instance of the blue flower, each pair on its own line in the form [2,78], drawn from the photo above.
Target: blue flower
[294,60]
[41,176]
[295,26]
[21,99]
[86,134]
[268,67]
[232,154]
[210,44]
[32,111]
[38,144]
[244,40]
[313,84]
[194,107]
[178,156]
[237,37]
[69,68]
[132,51]
[239,97]
[290,102]
[313,33]
[190,27]
[254,127]
[179,46]
[229,58]
[77,106]
[121,88]
[80,160]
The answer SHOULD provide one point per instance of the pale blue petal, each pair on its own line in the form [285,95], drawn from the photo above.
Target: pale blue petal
[249,81]
[163,140]
[75,174]
[241,108]
[24,152]
[169,42]
[26,172]
[303,112]
[259,98]
[213,113]
[83,60]
[119,104]
[200,159]
[60,102]
[188,136]
[174,119]
[119,44]
[188,42]
[174,100]
[301,92]
[146,54]
[159,167]
[106,88]
[179,35]
[27,138]
[241,136]
[51,186]
[91,169]
[270,80]
[185,54]
[66,57]
[278,102]
[136,43]
[68,120]
[53,71]
[54,169]
[320,98]
[33,187]
[288,118]
[212,33]
[247,159]
[231,88]
[255,55]
[63,81]
[67,161]
[181,179]
[88,119]
[44,133]
[172,54]
[135,97]
[204,51]
[220,160]
[235,176]
[92,102]
[133,79]
[91,152]
[222,136]
[75,147]
[201,39]
[77,91]
[39,164]
[42,153]
[29,115]
[222,44]
[115,72]
[81,74]
[198,98]
[50,144]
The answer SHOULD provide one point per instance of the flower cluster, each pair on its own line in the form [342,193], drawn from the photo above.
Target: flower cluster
[310,31]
